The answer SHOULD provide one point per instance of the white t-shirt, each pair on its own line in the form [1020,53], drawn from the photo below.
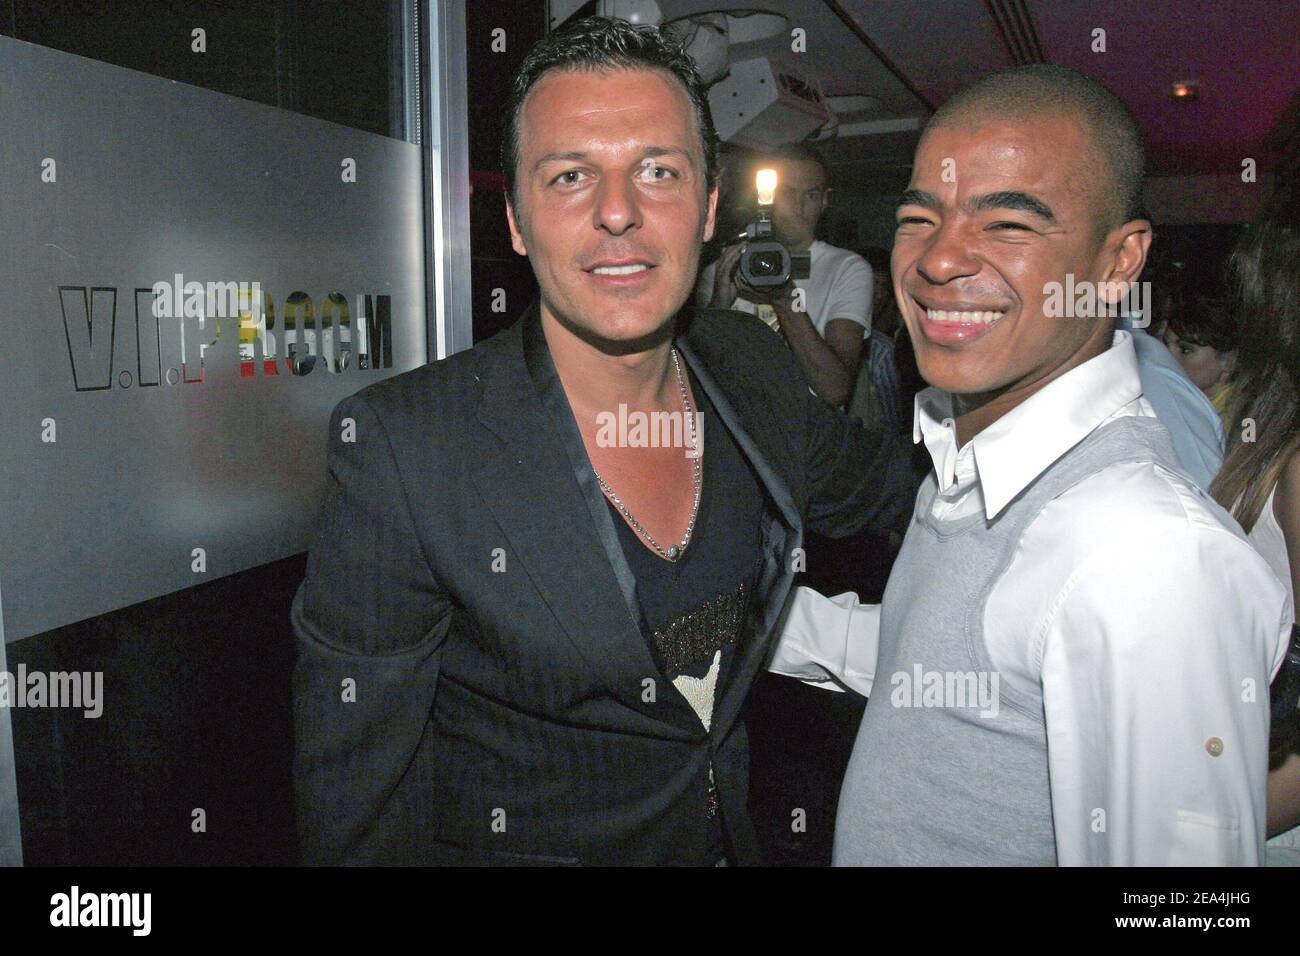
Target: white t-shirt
[1267,538]
[838,287]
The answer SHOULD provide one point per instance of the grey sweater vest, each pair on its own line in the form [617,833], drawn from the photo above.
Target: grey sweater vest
[950,763]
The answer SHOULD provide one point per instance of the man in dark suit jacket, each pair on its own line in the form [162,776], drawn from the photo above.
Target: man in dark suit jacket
[499,659]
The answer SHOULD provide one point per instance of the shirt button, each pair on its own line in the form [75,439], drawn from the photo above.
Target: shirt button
[1214,746]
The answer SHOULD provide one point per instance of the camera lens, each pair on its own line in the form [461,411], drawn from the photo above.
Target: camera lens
[766,264]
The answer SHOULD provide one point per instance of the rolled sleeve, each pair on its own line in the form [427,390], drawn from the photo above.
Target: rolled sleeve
[832,643]
[1156,703]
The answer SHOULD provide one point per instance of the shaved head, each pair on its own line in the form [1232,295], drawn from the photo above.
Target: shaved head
[1114,141]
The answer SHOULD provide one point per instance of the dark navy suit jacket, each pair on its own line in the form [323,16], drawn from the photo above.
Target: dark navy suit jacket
[447,712]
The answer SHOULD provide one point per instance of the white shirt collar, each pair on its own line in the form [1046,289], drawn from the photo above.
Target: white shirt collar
[1008,455]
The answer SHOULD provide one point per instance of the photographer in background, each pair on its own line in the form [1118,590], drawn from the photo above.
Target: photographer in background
[827,334]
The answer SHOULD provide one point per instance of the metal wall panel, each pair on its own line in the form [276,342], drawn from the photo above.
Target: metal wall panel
[446,130]
[11,842]
[169,435]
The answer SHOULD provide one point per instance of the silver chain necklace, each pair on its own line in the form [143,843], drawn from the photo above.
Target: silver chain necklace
[674,552]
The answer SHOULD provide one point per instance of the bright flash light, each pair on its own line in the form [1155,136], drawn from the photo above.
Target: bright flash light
[766,181]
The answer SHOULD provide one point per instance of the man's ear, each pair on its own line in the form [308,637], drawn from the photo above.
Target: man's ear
[1126,247]
[711,220]
[516,235]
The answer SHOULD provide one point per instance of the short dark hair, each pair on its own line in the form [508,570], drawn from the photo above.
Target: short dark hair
[1044,88]
[1206,321]
[602,44]
[800,152]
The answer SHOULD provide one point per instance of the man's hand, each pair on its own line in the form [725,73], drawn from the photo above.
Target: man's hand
[778,297]
[724,282]
[781,299]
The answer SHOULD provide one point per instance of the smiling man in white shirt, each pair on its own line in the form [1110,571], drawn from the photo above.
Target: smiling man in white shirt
[1037,702]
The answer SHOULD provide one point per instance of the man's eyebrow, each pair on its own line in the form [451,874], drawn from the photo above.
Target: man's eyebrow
[577,156]
[1011,199]
[571,156]
[1007,199]
[654,152]
[919,197]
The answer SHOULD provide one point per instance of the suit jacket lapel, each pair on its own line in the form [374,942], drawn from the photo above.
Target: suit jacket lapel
[779,539]
[561,530]
[772,482]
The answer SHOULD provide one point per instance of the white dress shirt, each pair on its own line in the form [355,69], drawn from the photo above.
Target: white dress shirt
[1134,604]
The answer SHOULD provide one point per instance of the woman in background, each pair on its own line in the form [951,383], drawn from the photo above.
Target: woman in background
[1203,337]
[1260,478]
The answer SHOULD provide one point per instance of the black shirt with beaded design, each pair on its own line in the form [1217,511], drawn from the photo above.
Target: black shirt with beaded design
[694,607]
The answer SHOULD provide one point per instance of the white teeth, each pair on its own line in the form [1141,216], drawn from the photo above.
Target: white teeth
[620,270]
[939,315]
